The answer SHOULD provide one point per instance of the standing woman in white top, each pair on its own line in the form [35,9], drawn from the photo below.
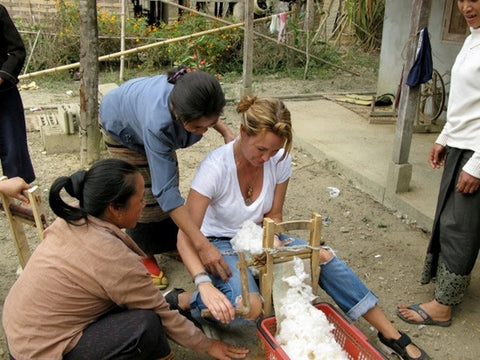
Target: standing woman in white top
[455,240]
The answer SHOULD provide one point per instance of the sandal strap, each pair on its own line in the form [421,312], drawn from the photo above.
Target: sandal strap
[404,340]
[399,345]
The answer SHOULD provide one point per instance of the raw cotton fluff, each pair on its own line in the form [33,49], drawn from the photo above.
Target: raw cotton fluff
[248,239]
[304,332]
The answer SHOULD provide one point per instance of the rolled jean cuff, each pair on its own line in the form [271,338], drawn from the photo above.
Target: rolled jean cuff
[363,306]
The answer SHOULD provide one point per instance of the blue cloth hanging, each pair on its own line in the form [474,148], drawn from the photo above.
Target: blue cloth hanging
[422,68]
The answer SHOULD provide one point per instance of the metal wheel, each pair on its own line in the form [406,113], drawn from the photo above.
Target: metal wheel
[432,99]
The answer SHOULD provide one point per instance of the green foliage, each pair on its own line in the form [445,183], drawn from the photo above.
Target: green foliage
[218,51]
[59,44]
[367,19]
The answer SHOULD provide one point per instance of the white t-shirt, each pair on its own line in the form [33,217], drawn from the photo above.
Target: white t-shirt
[216,178]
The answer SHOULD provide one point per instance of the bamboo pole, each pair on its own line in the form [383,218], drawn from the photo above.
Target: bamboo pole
[122,41]
[31,52]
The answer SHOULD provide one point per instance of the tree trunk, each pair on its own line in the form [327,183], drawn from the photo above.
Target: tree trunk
[88,127]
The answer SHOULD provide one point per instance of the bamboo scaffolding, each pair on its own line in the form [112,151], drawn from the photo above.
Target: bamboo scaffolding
[229,25]
[131,51]
[262,35]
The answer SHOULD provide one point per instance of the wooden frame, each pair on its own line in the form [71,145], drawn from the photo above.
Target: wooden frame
[270,228]
[268,258]
[455,29]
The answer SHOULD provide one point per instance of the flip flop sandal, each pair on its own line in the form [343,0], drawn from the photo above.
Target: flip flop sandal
[156,274]
[355,101]
[160,281]
[427,319]
[399,347]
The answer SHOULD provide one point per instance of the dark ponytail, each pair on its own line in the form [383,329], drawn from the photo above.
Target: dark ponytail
[108,181]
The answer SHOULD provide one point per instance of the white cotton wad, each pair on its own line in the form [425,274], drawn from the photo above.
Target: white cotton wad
[304,331]
[248,239]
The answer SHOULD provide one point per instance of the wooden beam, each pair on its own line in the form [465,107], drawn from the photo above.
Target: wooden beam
[248,49]
[408,107]
[400,171]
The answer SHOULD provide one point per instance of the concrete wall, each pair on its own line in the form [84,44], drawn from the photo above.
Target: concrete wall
[396,30]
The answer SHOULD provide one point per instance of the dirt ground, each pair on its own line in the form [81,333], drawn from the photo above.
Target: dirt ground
[383,247]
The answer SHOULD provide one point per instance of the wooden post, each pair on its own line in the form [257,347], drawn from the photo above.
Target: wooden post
[248,49]
[400,171]
[307,27]
[89,69]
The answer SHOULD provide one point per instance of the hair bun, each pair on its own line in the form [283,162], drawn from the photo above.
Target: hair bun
[173,76]
[245,103]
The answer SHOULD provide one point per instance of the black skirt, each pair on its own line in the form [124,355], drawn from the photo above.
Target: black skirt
[456,229]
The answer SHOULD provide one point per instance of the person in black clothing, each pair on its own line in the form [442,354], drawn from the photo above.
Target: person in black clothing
[13,134]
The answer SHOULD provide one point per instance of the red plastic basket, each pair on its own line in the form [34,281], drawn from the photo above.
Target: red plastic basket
[352,340]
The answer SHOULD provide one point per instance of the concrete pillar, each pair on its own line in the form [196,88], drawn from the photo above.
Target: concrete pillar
[398,177]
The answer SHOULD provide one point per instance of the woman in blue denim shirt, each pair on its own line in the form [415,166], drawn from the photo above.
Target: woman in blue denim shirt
[145,121]
[247,180]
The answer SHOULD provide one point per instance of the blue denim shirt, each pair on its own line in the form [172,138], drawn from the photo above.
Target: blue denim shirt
[137,115]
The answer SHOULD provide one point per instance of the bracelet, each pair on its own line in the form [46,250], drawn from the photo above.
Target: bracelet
[201,273]
[202,279]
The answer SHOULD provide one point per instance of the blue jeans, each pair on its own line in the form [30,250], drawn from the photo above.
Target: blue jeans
[336,278]
[341,284]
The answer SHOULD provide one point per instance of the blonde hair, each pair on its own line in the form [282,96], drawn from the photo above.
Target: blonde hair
[266,114]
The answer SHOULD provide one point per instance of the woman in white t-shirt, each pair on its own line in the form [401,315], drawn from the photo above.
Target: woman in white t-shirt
[244,180]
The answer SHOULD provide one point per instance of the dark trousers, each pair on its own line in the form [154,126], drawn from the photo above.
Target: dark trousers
[123,335]
[129,334]
[13,137]
[155,237]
